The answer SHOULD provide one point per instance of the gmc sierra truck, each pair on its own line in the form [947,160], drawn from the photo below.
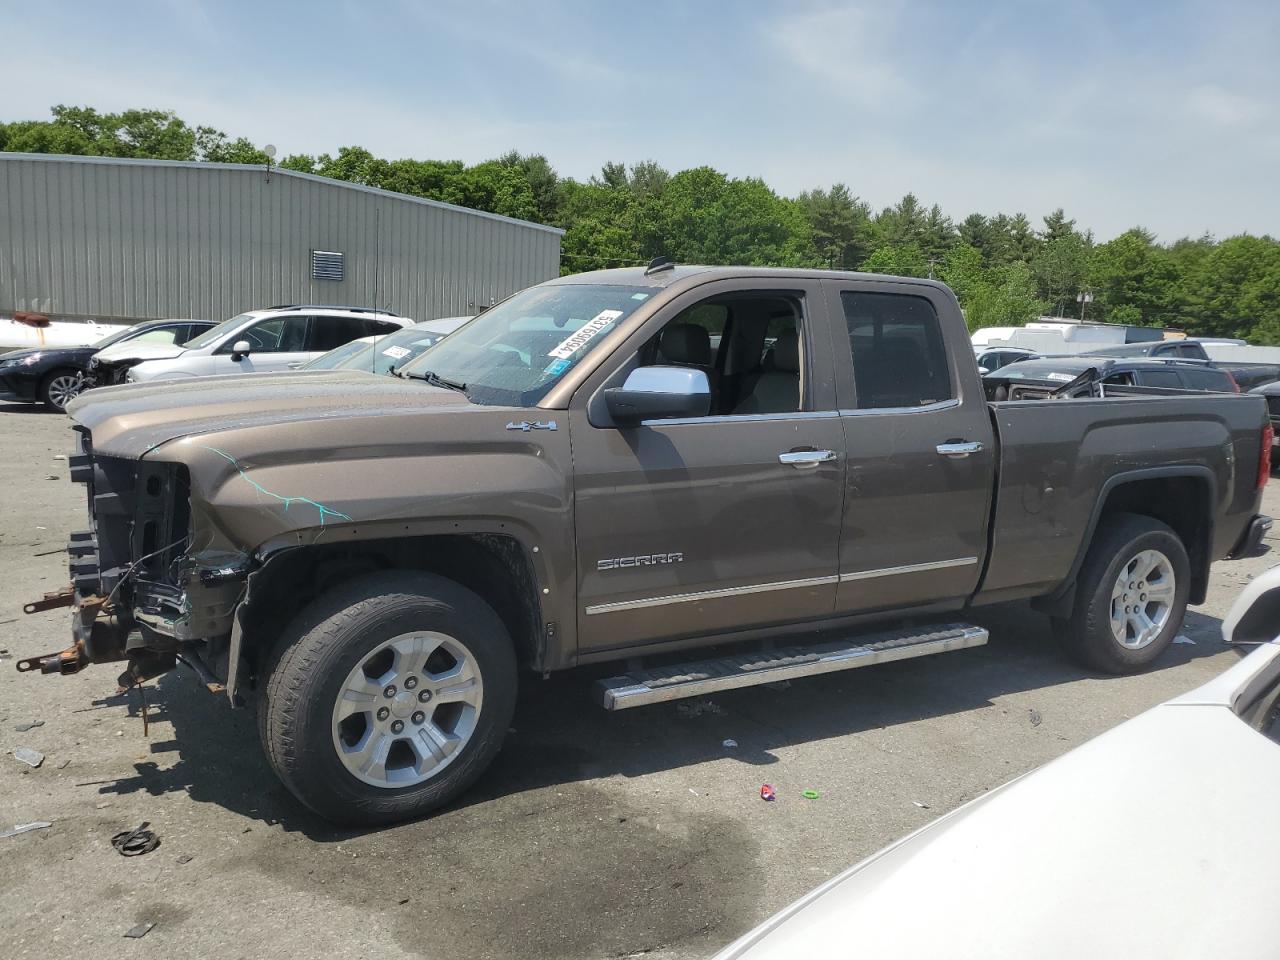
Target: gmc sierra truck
[715,477]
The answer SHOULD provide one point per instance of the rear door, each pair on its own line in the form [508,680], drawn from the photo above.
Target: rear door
[704,525]
[329,332]
[921,463]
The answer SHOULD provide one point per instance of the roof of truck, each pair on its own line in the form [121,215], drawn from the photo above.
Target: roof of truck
[668,275]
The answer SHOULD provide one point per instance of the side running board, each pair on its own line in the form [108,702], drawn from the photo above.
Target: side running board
[642,687]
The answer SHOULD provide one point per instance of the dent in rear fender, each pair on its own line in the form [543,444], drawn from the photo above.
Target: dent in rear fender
[1062,456]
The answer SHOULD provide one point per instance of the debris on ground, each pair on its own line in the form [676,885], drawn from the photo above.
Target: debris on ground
[4,651]
[136,842]
[64,764]
[809,794]
[186,858]
[52,476]
[140,930]
[689,711]
[922,806]
[18,828]
[730,744]
[32,758]
[29,725]
[60,456]
[1183,638]
[768,793]
[1034,716]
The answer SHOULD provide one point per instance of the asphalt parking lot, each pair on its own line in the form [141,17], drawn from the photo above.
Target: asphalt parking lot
[593,835]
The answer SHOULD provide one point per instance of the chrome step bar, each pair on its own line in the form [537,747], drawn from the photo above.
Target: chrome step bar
[639,688]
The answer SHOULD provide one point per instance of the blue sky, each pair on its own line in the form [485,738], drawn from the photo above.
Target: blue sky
[1164,114]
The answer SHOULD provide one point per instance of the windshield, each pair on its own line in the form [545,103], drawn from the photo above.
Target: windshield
[119,335]
[515,353]
[335,357]
[213,334]
[393,350]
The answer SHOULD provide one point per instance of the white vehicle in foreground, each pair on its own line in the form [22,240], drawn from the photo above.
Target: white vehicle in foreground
[1158,839]
[277,338]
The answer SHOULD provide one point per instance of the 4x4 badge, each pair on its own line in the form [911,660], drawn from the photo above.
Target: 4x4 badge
[527,425]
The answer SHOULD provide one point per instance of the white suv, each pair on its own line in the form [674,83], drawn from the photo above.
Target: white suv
[276,338]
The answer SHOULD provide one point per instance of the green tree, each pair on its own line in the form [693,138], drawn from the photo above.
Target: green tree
[841,226]
[901,260]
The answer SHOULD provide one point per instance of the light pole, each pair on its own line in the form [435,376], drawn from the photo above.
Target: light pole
[1084,298]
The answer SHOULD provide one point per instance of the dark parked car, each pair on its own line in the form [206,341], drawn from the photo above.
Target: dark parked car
[1062,377]
[991,359]
[53,376]
[1246,375]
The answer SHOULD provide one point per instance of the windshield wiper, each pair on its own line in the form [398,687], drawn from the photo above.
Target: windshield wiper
[436,380]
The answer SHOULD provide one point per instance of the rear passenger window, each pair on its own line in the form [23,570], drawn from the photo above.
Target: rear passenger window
[1207,380]
[330,332]
[378,328]
[1159,378]
[899,359]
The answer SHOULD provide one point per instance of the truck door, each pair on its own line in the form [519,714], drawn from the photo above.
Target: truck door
[921,463]
[698,526]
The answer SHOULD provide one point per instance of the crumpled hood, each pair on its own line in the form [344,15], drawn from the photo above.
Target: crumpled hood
[132,350]
[130,420]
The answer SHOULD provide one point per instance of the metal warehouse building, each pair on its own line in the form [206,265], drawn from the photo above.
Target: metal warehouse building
[93,237]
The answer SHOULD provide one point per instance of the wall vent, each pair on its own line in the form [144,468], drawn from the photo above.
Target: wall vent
[326,265]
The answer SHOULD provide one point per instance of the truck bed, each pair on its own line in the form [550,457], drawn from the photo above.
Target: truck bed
[1059,459]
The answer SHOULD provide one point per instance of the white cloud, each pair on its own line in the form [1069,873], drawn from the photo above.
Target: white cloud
[851,48]
[1219,106]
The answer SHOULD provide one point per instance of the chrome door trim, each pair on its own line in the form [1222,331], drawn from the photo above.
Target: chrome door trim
[960,449]
[806,459]
[878,411]
[620,605]
[908,568]
[741,418]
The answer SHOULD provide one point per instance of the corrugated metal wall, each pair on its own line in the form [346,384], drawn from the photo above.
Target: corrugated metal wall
[87,237]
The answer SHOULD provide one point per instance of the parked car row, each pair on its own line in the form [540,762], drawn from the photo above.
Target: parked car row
[1043,378]
[267,340]
[53,376]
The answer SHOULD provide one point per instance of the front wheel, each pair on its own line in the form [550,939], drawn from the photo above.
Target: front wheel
[388,697]
[59,388]
[1131,595]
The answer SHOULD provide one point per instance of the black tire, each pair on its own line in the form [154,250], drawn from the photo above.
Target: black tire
[1086,635]
[50,390]
[326,641]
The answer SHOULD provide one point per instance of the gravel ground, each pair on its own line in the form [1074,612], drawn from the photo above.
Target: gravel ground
[593,835]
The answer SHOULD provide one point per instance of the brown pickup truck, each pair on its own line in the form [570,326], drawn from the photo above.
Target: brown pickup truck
[797,468]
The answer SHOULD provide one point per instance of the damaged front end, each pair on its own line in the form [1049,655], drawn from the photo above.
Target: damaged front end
[142,589]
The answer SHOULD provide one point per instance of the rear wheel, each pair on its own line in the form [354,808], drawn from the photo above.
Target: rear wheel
[388,697]
[1131,595]
[59,388]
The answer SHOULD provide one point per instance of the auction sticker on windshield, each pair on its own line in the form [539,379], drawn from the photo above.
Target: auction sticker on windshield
[395,353]
[584,334]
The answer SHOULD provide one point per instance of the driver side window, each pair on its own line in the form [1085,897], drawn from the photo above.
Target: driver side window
[747,345]
[274,335]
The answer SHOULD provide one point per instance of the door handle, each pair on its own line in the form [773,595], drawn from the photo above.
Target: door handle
[806,459]
[959,449]
[295,364]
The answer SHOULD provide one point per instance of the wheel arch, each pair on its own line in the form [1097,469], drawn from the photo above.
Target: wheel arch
[496,567]
[1181,497]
